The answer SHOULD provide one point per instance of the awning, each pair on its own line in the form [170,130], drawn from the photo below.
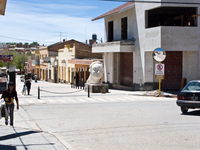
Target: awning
[80,62]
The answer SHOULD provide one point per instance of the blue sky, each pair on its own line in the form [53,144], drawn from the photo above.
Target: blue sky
[43,20]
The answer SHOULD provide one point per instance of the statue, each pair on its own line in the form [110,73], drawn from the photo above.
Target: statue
[96,72]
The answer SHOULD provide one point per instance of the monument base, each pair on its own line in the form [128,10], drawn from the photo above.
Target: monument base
[96,88]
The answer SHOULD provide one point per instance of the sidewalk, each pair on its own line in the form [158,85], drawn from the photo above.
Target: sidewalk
[13,138]
[25,134]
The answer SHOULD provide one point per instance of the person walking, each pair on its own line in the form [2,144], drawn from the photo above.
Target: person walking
[77,80]
[9,95]
[28,84]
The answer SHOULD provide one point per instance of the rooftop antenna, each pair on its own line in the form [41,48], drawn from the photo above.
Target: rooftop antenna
[61,34]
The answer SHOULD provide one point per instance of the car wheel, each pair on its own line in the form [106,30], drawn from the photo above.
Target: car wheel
[184,110]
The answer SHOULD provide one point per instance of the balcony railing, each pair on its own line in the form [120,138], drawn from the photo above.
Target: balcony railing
[114,46]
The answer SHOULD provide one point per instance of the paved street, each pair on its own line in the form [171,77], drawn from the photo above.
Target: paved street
[119,120]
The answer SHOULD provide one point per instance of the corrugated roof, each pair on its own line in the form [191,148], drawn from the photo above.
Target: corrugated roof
[116,10]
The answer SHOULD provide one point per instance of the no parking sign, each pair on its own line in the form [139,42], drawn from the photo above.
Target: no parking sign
[159,71]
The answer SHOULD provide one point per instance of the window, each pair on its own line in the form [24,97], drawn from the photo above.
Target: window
[171,16]
[124,28]
[110,31]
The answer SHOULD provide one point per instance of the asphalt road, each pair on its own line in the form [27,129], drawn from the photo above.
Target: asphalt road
[119,120]
[120,126]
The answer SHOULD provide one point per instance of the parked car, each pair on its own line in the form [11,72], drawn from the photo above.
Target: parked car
[189,96]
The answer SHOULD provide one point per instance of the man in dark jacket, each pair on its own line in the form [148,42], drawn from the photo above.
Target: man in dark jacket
[28,84]
[9,96]
[77,80]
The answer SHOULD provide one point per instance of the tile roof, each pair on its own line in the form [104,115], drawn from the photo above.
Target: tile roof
[116,10]
[60,45]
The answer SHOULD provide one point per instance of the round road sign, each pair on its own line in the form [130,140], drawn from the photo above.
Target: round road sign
[159,54]
[160,67]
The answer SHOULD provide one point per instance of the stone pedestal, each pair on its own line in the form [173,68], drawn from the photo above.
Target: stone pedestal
[97,88]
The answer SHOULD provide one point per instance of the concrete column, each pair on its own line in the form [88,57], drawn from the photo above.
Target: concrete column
[198,64]
[105,68]
[118,68]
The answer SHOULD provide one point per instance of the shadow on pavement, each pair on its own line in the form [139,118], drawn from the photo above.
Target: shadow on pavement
[6,147]
[15,135]
[193,113]
[19,136]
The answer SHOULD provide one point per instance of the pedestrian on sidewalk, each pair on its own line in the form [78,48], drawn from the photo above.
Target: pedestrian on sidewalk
[77,80]
[28,83]
[9,95]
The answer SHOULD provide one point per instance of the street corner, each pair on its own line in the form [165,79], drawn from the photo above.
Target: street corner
[155,93]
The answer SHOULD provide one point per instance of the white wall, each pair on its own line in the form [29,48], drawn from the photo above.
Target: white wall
[179,38]
[117,36]
[149,67]
[110,67]
[168,38]
[117,24]
[147,40]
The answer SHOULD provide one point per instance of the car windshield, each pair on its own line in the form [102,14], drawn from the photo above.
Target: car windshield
[192,86]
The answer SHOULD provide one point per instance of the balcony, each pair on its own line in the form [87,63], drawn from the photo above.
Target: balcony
[180,38]
[114,46]
[170,38]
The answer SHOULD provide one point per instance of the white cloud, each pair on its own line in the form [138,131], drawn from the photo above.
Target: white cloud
[47,8]
[40,22]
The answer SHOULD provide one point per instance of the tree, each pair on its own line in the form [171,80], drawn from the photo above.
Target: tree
[18,61]
[34,44]
[26,45]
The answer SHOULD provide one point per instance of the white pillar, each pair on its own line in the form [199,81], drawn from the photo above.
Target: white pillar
[105,68]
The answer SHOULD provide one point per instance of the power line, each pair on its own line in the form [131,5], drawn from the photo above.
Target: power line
[24,39]
[167,2]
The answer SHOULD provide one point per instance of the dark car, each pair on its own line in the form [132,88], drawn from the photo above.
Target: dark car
[189,97]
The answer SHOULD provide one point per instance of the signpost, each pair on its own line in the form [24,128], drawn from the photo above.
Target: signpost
[160,71]
[159,55]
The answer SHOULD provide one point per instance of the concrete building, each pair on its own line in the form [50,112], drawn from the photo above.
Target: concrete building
[43,66]
[53,65]
[29,67]
[134,30]
[74,58]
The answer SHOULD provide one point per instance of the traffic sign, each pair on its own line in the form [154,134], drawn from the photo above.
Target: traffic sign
[160,69]
[159,54]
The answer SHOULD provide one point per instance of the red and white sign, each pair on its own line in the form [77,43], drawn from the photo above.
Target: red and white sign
[160,69]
